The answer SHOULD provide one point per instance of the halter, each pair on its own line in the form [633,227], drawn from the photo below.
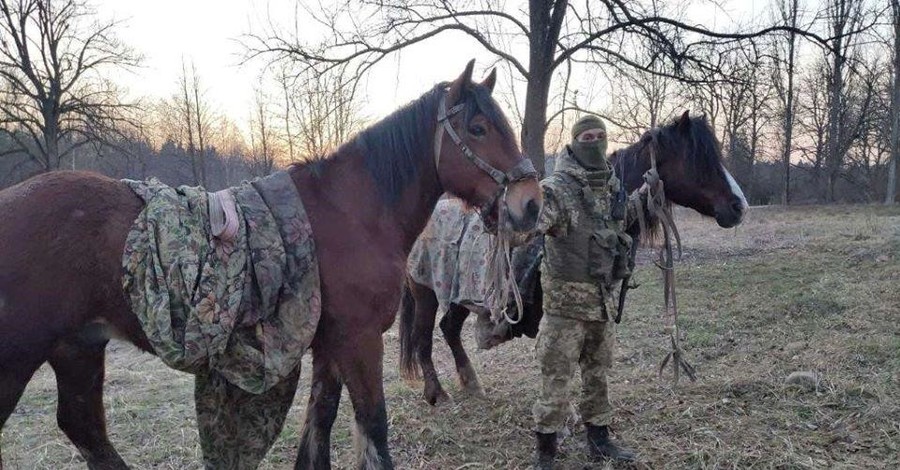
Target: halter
[524,169]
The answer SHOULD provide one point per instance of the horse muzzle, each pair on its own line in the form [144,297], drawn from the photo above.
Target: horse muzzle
[524,201]
[730,214]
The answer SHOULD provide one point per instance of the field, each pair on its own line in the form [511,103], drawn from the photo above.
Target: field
[798,289]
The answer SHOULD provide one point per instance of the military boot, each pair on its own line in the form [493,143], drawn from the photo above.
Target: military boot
[601,447]
[546,451]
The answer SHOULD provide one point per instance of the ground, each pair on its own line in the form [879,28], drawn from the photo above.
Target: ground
[799,289]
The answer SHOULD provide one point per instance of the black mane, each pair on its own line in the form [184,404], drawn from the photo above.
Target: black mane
[395,148]
[702,152]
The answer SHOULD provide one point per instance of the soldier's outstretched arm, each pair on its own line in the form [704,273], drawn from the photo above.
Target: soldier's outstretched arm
[554,218]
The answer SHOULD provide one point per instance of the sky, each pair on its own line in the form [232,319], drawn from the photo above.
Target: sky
[207,33]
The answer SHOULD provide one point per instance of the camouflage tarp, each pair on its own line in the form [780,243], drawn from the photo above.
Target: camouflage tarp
[246,309]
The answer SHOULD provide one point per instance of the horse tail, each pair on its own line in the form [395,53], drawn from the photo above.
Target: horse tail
[409,364]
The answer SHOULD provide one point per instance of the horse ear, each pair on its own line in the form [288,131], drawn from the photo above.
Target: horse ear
[460,84]
[490,81]
[684,122]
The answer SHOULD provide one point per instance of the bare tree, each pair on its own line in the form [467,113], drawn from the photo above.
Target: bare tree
[324,112]
[262,151]
[194,119]
[54,57]
[556,31]
[845,18]
[891,192]
[788,14]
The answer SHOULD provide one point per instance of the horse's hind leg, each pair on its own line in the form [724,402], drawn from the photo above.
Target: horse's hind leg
[79,369]
[426,311]
[451,325]
[324,397]
[13,379]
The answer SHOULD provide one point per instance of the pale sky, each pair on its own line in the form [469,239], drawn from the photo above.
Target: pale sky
[207,32]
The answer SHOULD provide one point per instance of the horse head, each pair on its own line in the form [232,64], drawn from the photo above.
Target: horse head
[689,161]
[479,159]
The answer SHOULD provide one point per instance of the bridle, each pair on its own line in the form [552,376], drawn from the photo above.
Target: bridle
[522,170]
[500,273]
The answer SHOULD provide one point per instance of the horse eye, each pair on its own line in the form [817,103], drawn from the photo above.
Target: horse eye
[477,130]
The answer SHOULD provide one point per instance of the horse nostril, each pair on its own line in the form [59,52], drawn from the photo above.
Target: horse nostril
[531,210]
[737,206]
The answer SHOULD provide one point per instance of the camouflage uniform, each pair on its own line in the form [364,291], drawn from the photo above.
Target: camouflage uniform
[237,313]
[577,281]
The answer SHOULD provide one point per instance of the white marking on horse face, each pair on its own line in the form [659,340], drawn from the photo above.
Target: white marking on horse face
[735,188]
[366,453]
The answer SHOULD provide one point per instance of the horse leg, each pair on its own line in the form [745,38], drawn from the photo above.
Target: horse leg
[451,325]
[324,397]
[79,368]
[361,367]
[13,379]
[426,311]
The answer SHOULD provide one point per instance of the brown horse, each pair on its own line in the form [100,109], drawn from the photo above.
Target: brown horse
[62,238]
[689,161]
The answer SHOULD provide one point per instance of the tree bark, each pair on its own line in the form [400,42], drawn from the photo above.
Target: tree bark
[891,193]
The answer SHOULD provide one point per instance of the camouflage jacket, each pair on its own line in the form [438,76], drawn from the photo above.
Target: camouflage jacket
[246,308]
[576,208]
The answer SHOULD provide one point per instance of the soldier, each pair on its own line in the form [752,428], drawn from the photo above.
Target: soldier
[585,253]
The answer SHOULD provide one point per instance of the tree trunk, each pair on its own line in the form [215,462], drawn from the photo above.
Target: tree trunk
[834,149]
[535,120]
[891,193]
[545,20]
[789,109]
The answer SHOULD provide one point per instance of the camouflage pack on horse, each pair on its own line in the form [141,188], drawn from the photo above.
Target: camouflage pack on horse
[687,158]
[235,324]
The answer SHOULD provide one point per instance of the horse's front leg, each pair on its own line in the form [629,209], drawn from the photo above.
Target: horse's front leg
[360,362]
[451,326]
[426,311]
[324,398]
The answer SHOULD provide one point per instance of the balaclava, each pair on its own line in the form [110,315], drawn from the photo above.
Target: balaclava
[590,155]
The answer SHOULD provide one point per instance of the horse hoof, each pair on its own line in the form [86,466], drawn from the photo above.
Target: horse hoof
[474,389]
[438,399]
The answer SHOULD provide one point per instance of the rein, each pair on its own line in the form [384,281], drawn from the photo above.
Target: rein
[660,209]
[501,273]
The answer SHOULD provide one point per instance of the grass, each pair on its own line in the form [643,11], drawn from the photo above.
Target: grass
[792,289]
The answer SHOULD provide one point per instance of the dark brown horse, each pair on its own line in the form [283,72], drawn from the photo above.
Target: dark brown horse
[62,236]
[689,161]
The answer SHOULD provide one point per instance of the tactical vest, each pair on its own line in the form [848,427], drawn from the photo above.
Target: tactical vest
[595,249]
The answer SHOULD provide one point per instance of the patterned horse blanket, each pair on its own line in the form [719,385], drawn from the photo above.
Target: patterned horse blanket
[452,256]
[237,310]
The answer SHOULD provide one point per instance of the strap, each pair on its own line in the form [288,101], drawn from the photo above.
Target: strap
[523,169]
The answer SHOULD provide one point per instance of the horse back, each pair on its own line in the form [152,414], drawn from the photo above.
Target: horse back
[61,244]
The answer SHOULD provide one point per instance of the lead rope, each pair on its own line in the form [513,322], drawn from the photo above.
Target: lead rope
[501,272]
[657,206]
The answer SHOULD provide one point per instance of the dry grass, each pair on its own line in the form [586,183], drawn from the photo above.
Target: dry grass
[809,288]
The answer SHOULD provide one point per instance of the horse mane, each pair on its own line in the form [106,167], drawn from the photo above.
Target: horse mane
[703,158]
[395,148]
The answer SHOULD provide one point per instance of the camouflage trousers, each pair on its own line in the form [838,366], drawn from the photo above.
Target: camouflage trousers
[562,344]
[237,427]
